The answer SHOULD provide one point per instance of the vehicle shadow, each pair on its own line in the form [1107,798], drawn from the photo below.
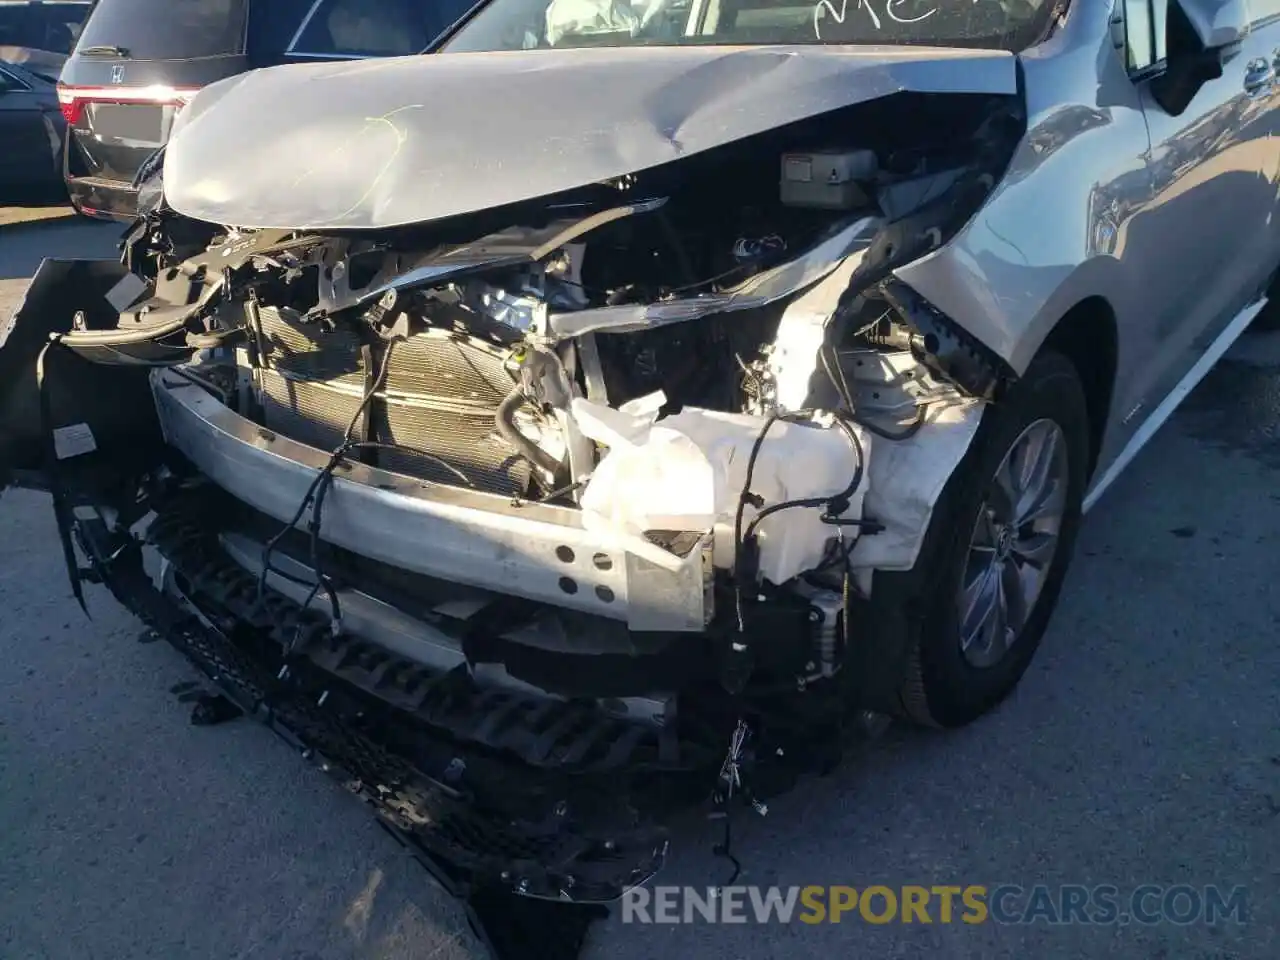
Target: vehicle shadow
[49,196]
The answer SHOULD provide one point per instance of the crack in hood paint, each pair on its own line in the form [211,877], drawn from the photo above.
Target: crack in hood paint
[385,143]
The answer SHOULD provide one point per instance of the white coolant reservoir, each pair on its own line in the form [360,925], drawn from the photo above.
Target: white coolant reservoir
[687,472]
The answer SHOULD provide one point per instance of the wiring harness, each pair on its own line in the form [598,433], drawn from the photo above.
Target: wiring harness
[315,496]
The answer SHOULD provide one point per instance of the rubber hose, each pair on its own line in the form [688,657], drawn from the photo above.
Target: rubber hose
[505,419]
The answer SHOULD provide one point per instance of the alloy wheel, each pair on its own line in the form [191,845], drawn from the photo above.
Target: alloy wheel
[1013,543]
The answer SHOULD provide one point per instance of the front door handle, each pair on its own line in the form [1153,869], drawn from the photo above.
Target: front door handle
[1259,77]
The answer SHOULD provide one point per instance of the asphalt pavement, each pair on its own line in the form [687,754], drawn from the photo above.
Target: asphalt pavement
[1143,747]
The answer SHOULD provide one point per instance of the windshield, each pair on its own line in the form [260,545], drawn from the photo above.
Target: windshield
[372,28]
[165,29]
[537,24]
[52,27]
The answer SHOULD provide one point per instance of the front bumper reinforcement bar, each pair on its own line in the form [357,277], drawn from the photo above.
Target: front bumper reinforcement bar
[537,551]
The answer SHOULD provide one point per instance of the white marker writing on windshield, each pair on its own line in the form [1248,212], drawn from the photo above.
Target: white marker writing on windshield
[827,8]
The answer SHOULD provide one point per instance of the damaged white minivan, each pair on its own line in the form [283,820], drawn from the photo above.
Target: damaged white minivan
[620,406]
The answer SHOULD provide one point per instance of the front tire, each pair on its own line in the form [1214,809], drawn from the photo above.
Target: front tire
[973,611]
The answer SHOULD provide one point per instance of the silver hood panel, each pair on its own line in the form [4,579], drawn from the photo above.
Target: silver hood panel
[386,143]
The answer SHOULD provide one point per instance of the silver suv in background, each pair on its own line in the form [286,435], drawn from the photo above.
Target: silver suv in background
[626,401]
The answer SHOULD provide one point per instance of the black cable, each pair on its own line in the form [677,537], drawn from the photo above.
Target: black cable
[274,542]
[291,578]
[504,419]
[203,383]
[318,491]
[841,556]
[322,579]
[415,451]
[314,493]
[322,490]
[835,503]
[725,847]
[811,502]
[747,264]
[550,495]
[846,608]
[714,278]
[683,288]
[835,373]
[743,498]
[672,237]
[906,433]
[841,385]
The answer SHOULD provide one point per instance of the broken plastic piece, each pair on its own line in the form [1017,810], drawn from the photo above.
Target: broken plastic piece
[688,471]
[944,347]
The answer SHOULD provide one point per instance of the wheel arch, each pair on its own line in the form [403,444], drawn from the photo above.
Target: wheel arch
[1088,336]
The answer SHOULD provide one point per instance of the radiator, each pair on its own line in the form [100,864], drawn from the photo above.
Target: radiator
[438,397]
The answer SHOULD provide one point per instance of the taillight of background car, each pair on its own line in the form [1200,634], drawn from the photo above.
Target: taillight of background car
[73,99]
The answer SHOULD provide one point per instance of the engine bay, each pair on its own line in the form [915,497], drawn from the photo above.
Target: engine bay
[472,336]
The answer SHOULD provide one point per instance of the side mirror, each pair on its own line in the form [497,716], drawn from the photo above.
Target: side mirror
[1199,35]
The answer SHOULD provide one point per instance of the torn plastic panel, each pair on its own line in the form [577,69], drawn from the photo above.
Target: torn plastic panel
[88,408]
[687,471]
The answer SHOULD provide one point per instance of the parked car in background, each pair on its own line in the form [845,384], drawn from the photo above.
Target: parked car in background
[39,34]
[31,136]
[139,61]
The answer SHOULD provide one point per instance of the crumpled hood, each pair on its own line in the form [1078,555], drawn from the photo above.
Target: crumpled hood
[384,143]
